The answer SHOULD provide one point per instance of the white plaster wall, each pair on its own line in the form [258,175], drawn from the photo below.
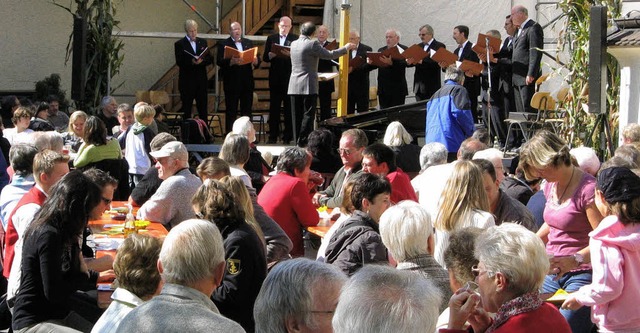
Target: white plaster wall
[34,34]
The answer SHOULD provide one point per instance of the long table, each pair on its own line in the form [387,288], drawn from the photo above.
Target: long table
[101,229]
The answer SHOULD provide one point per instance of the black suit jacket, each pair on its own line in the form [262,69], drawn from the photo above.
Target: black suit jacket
[503,66]
[191,75]
[326,66]
[237,77]
[426,79]
[526,58]
[280,70]
[471,83]
[359,77]
[392,79]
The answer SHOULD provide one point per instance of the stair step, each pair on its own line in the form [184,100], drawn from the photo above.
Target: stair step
[308,2]
[299,19]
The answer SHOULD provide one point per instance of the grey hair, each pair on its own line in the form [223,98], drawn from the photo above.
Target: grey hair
[190,23]
[288,292]
[191,252]
[382,299]
[429,29]
[242,126]
[160,140]
[235,149]
[404,229]
[432,153]
[396,135]
[587,159]
[21,158]
[521,9]
[292,159]
[395,31]
[106,100]
[48,140]
[492,155]
[516,252]
[494,33]
[124,107]
[356,32]
[453,73]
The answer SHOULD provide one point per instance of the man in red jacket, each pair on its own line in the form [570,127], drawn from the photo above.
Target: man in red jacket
[380,159]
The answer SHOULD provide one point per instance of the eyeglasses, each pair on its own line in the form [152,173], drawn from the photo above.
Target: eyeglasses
[106,201]
[346,152]
[477,272]
[199,215]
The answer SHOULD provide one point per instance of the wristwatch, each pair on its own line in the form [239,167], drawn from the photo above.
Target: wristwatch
[578,258]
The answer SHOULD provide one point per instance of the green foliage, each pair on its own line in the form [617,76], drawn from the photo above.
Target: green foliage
[574,38]
[50,85]
[104,57]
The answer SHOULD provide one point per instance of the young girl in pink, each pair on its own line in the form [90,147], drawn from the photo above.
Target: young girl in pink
[615,255]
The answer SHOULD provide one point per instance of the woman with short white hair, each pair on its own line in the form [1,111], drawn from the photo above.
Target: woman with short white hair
[256,167]
[512,266]
[407,232]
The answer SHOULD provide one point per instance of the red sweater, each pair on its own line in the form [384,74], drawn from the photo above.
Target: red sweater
[287,201]
[401,188]
[11,236]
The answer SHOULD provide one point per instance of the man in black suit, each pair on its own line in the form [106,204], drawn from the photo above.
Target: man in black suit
[392,83]
[464,52]
[503,67]
[426,79]
[237,79]
[358,76]
[279,74]
[192,57]
[325,88]
[526,57]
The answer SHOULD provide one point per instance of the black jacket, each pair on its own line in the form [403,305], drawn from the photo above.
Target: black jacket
[238,77]
[356,243]
[427,79]
[392,80]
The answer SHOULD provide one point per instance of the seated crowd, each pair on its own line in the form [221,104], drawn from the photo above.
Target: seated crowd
[456,247]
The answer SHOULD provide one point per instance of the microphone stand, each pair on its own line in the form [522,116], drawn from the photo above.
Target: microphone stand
[490,86]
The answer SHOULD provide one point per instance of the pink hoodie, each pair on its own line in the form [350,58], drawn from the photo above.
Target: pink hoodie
[615,289]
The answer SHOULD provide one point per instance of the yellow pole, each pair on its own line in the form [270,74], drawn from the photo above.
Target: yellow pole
[344,60]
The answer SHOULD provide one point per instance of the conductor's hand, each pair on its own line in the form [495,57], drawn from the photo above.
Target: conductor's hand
[350,46]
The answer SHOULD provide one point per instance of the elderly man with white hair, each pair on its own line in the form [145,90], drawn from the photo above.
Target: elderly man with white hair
[407,232]
[298,295]
[382,299]
[192,266]
[257,168]
[171,204]
[494,156]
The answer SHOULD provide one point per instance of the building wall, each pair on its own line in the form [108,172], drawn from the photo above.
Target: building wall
[34,35]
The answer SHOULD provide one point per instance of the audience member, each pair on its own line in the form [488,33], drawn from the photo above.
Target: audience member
[136,269]
[171,203]
[407,232]
[40,120]
[73,137]
[20,131]
[285,197]
[518,187]
[503,207]
[136,143]
[9,105]
[235,151]
[323,152]
[570,214]
[433,153]
[399,140]
[449,118]
[107,113]
[511,268]
[346,210]
[459,257]
[59,119]
[192,267]
[613,293]
[298,295]
[96,146]
[246,264]
[494,156]
[48,140]
[379,159]
[482,135]
[125,118]
[463,204]
[21,159]
[256,167]
[150,182]
[629,152]
[630,133]
[48,168]
[158,120]
[278,243]
[381,299]
[352,143]
[52,265]
[587,159]
[358,240]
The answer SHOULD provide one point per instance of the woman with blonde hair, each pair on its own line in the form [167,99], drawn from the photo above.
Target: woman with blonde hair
[243,198]
[399,140]
[73,138]
[570,214]
[463,204]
